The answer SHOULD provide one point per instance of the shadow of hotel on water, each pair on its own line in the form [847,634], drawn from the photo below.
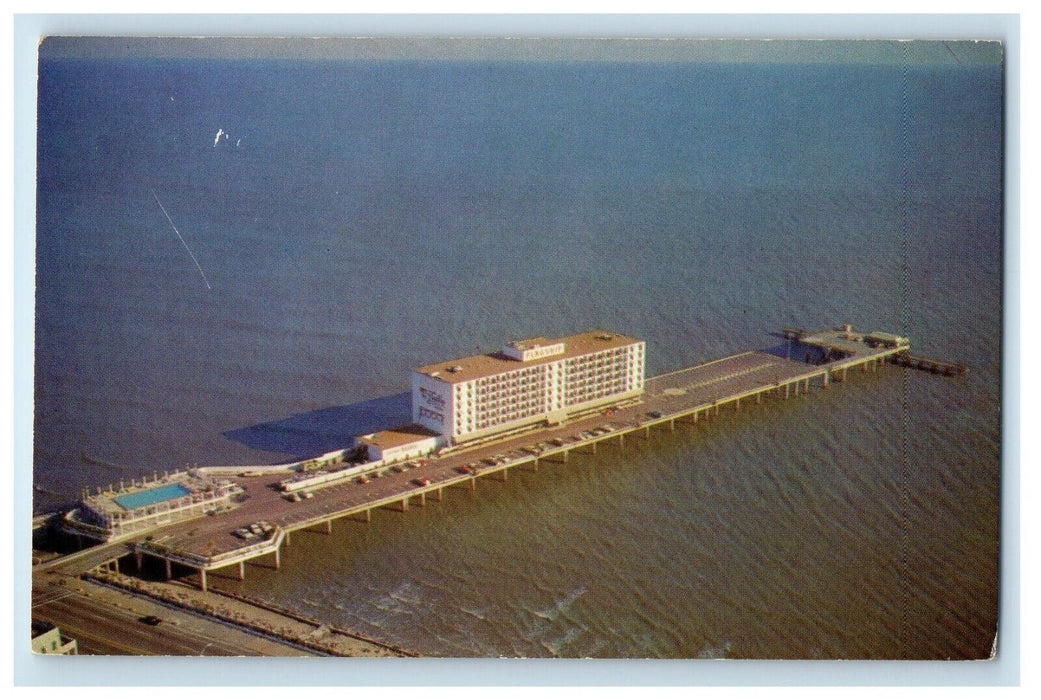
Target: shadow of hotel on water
[323,430]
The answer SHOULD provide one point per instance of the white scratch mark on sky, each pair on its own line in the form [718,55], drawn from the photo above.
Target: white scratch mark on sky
[182,240]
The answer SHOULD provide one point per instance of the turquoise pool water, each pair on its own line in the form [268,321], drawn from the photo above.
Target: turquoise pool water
[147,498]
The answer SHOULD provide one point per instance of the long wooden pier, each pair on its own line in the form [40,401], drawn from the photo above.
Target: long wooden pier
[687,395]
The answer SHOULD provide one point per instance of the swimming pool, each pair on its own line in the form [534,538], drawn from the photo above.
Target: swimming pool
[156,495]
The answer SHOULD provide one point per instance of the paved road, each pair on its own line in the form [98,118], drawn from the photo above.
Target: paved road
[107,622]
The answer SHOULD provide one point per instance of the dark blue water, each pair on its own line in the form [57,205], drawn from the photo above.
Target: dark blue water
[360,219]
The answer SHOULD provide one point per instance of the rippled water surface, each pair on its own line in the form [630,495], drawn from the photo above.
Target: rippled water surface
[361,219]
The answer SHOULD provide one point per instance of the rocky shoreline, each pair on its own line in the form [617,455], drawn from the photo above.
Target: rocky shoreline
[257,616]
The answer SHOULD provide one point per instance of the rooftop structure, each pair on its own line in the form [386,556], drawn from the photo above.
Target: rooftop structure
[465,369]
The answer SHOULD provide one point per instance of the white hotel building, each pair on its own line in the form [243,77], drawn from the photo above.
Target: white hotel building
[528,382]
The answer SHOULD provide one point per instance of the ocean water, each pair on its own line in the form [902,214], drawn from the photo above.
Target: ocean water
[363,218]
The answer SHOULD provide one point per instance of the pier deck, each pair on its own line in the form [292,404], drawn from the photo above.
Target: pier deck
[208,543]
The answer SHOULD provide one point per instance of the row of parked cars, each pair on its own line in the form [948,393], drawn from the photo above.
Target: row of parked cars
[260,528]
[405,466]
[537,449]
[399,468]
[473,468]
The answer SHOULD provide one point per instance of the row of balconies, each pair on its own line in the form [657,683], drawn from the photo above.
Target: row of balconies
[528,406]
[606,355]
[597,378]
[509,390]
[601,379]
[616,381]
[509,385]
[510,394]
[487,422]
[599,369]
[599,390]
[532,372]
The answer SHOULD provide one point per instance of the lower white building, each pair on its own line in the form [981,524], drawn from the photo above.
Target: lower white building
[530,381]
[397,444]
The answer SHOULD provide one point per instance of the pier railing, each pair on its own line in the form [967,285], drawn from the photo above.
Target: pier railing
[212,561]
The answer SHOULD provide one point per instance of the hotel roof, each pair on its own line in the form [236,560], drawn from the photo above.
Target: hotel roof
[395,437]
[465,369]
